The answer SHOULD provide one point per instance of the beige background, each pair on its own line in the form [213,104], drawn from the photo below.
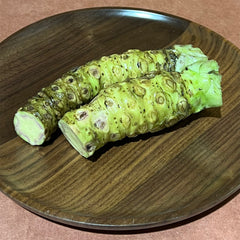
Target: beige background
[224,222]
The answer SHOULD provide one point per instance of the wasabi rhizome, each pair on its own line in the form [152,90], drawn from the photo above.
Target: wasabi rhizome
[164,85]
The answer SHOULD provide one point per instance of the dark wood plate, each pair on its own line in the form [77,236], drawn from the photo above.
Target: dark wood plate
[149,181]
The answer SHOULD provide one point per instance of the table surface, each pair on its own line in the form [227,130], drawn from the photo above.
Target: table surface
[223,222]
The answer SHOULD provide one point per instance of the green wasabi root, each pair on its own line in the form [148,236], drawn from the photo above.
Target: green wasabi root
[142,105]
[38,119]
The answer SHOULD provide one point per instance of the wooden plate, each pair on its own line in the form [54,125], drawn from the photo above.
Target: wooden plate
[149,181]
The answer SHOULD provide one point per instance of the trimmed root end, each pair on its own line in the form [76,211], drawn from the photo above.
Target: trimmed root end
[73,139]
[29,128]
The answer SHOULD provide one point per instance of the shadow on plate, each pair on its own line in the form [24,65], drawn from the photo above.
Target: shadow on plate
[210,113]
[206,113]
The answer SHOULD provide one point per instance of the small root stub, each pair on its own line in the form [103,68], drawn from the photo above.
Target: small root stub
[29,128]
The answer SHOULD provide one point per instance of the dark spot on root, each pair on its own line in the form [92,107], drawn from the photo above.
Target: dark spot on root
[54,102]
[108,103]
[100,124]
[165,66]
[70,96]
[30,108]
[55,88]
[58,115]
[182,92]
[158,66]
[213,72]
[94,71]
[173,56]
[84,91]
[46,104]
[82,116]
[70,80]
[113,135]
[74,69]
[89,147]
[41,94]
[154,51]
[139,64]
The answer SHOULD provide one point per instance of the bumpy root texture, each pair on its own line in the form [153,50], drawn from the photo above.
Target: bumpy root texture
[142,105]
[37,120]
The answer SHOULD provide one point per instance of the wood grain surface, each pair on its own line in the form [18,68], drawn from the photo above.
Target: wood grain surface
[149,181]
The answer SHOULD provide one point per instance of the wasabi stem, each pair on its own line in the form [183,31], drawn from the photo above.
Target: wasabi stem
[38,119]
[142,105]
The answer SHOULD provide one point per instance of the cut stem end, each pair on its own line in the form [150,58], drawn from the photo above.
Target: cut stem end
[73,139]
[29,128]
